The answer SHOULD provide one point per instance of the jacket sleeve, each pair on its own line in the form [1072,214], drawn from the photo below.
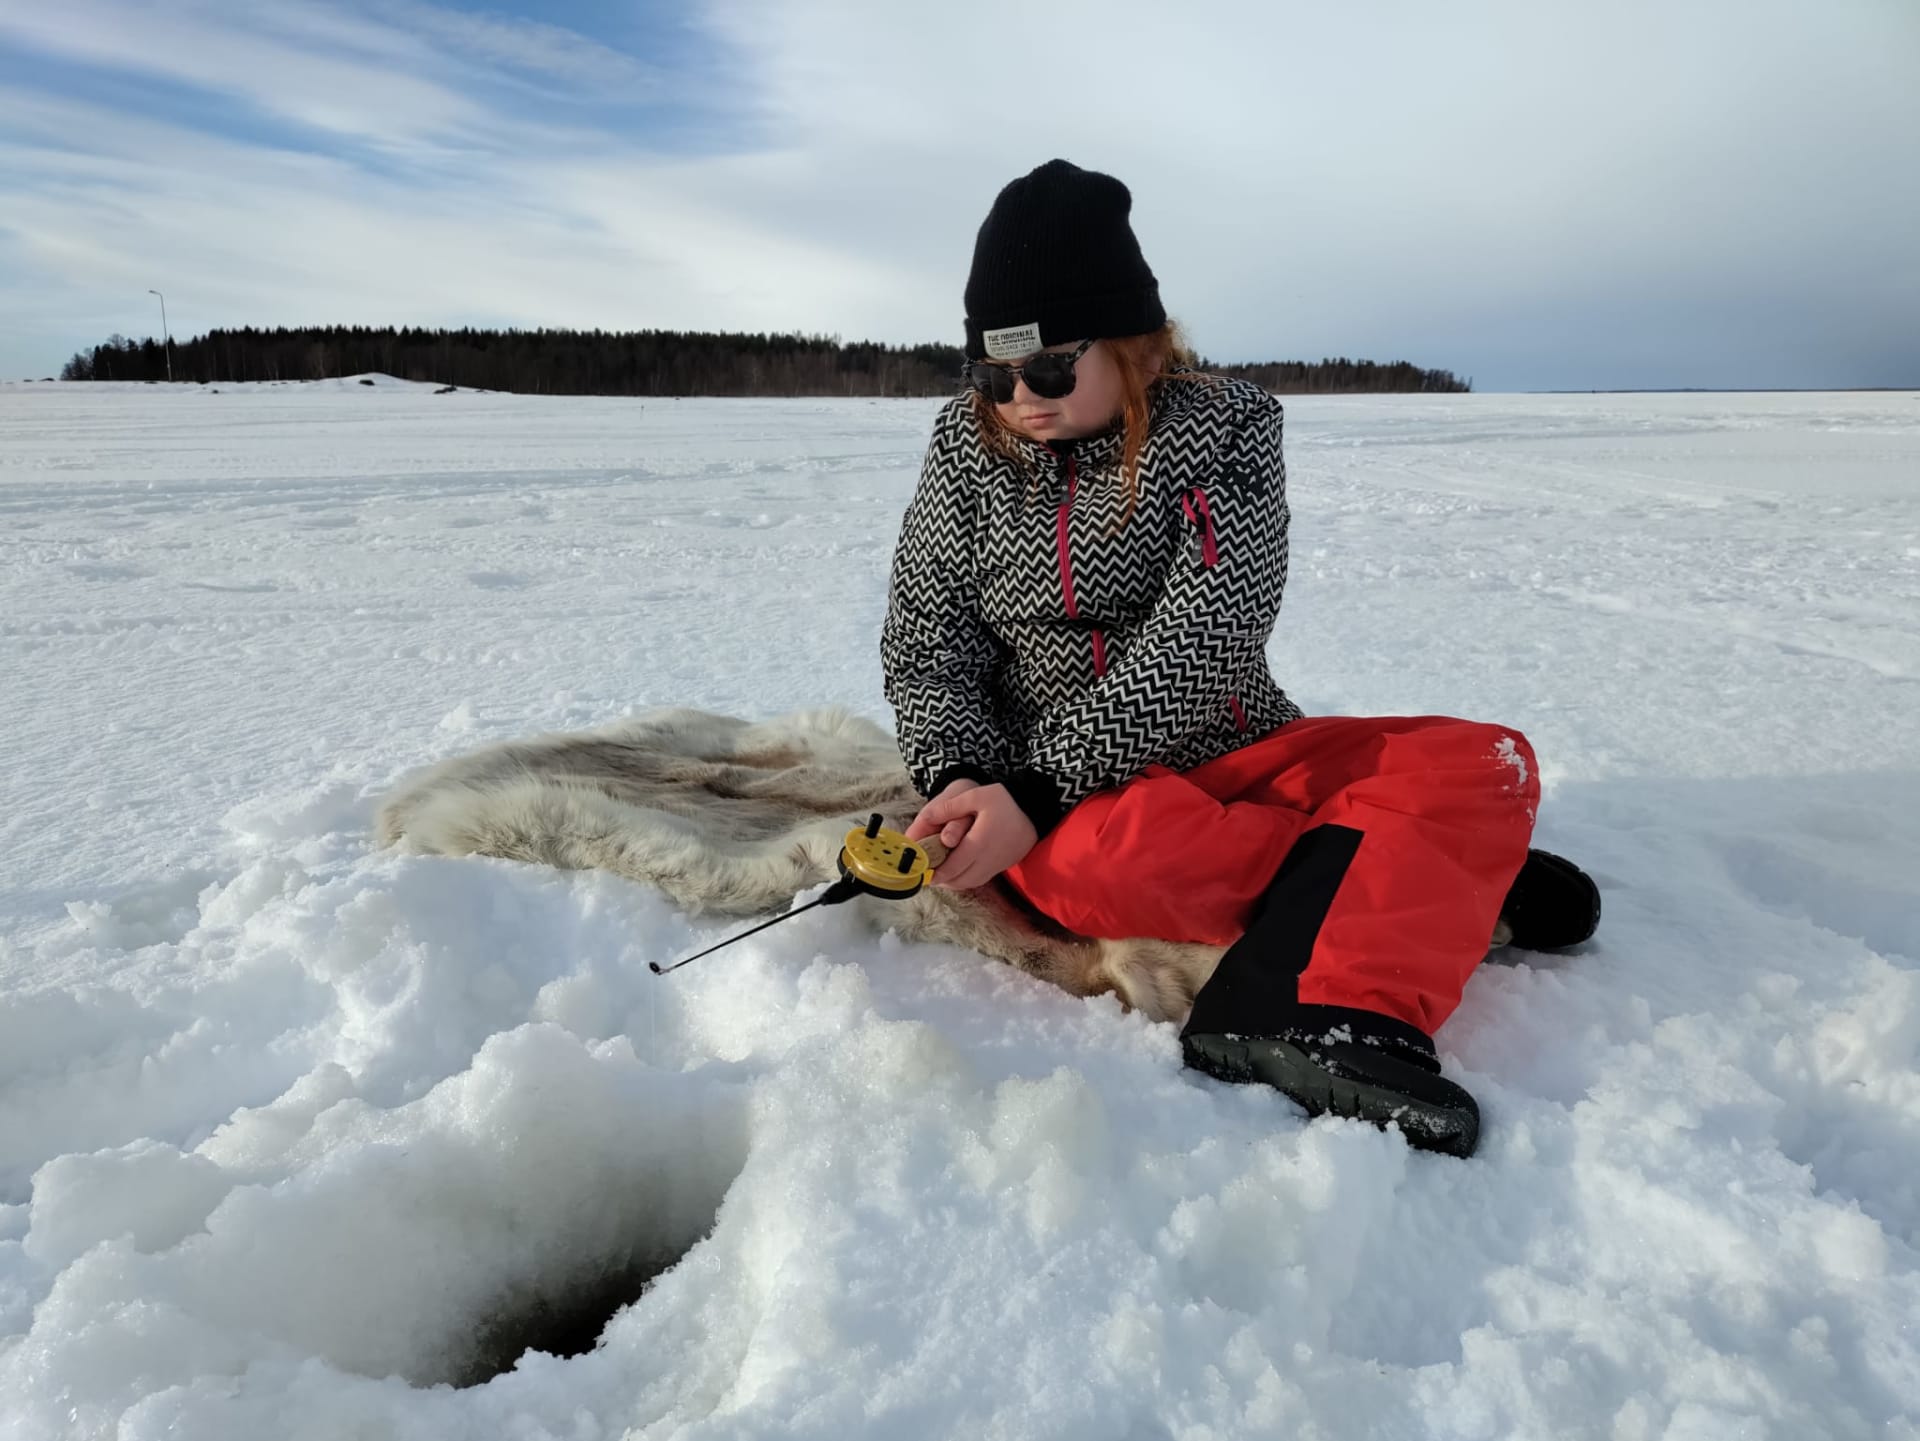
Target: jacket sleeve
[1208,629]
[937,654]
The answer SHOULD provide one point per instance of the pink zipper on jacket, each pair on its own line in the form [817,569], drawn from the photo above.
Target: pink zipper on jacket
[1066,567]
[1194,503]
[1209,545]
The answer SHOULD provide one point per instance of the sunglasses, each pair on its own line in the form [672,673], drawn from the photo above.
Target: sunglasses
[1048,375]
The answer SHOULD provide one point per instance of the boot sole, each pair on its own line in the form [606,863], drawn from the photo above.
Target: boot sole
[1430,1125]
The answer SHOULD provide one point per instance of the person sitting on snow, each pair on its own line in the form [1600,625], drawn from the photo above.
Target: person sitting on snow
[1075,649]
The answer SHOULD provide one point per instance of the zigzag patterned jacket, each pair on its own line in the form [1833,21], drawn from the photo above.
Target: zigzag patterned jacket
[1031,639]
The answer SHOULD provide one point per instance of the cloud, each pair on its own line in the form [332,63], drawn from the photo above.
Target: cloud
[1536,195]
[244,56]
[583,243]
[1535,182]
[535,48]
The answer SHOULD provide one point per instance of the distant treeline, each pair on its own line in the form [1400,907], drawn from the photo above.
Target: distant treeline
[1295,377]
[631,362]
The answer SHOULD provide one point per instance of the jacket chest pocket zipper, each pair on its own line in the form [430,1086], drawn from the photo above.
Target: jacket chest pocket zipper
[1200,513]
[1060,536]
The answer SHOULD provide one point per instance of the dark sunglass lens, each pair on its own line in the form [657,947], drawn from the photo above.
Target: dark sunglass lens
[993,381]
[989,380]
[1050,376]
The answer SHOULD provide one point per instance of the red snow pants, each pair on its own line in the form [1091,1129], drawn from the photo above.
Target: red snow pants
[1432,817]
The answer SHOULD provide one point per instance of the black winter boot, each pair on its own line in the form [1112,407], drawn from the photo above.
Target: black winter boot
[1551,905]
[1249,1024]
[1377,1083]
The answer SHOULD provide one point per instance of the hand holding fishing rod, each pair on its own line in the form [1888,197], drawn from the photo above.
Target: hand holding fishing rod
[874,861]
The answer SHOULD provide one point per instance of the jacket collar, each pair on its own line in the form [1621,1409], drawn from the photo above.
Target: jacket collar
[1090,452]
[1093,452]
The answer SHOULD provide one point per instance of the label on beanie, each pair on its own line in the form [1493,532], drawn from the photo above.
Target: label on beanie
[1014,341]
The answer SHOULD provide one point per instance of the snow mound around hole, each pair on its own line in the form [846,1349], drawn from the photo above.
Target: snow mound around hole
[435,1242]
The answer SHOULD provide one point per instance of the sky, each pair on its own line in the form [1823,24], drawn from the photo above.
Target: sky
[1535,195]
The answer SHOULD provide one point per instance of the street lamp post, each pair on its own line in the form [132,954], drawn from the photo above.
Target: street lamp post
[166,335]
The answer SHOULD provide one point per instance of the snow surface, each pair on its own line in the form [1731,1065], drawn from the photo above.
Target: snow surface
[294,1135]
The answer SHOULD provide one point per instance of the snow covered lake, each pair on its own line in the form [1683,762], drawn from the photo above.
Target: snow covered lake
[299,1140]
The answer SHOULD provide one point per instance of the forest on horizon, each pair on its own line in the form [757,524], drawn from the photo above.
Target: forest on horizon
[636,362]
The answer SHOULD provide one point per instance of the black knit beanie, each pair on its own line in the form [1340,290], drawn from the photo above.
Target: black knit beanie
[1056,261]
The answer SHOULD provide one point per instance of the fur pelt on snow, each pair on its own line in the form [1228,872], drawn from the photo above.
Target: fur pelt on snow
[734,817]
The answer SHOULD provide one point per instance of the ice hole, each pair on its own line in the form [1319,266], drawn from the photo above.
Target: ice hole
[518,1206]
[563,1316]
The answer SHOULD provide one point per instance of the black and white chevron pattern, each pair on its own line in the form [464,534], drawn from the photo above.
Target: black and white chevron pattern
[985,668]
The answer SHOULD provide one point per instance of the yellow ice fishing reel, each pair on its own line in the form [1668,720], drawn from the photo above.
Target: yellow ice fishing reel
[874,861]
[884,863]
